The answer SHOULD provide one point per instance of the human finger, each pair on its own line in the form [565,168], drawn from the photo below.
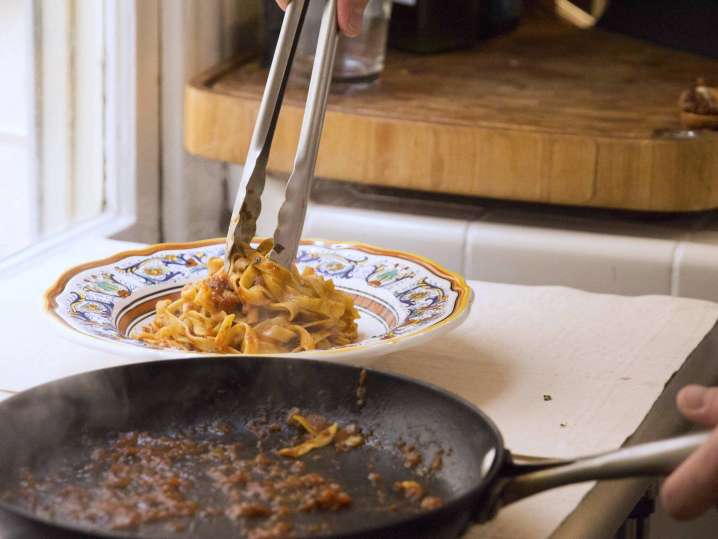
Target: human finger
[350,15]
[699,404]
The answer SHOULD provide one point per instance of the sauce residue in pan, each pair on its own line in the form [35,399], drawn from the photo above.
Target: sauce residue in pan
[179,479]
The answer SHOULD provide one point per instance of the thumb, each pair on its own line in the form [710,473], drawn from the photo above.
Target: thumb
[699,404]
[350,15]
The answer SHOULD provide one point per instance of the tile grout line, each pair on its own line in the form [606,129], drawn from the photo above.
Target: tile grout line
[480,217]
[679,251]
[676,260]
[465,250]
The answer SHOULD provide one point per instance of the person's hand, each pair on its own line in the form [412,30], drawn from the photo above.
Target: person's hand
[693,488]
[349,15]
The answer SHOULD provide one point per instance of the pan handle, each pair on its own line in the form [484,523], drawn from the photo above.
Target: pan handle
[519,480]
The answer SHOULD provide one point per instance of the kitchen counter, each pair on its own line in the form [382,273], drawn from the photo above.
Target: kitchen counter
[562,373]
[566,373]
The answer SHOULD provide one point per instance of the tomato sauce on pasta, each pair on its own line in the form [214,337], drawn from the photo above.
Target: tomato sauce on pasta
[257,307]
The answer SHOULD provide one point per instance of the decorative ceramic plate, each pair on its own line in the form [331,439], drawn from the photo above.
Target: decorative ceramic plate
[403,299]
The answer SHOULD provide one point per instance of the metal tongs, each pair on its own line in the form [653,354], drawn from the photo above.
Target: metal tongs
[248,204]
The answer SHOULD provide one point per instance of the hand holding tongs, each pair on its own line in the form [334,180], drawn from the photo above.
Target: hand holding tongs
[248,204]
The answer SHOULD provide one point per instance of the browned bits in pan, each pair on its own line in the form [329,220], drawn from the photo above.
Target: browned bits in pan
[411,489]
[375,478]
[327,497]
[431,502]
[249,509]
[176,480]
[220,428]
[348,438]
[137,483]
[437,463]
[411,455]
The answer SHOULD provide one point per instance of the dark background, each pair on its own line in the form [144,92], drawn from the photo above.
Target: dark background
[689,25]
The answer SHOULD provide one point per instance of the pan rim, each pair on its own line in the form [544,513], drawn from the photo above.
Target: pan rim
[453,505]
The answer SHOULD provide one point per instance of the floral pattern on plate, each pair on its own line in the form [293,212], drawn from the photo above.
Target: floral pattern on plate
[403,299]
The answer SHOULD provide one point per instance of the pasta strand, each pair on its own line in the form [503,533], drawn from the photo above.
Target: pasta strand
[257,307]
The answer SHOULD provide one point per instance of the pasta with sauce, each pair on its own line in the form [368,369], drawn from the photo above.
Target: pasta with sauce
[257,307]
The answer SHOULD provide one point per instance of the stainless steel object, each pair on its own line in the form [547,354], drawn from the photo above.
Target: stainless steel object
[247,205]
[522,479]
[294,208]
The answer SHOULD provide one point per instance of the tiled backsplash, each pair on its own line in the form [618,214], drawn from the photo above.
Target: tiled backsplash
[599,251]
[438,238]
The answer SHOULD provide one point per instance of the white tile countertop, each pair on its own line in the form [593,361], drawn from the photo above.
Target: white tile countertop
[39,353]
[534,247]
[603,251]
[594,250]
[605,361]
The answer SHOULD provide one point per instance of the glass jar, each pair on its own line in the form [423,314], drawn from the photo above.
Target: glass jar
[358,59]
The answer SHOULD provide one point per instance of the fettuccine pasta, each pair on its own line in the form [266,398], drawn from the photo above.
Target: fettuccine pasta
[257,307]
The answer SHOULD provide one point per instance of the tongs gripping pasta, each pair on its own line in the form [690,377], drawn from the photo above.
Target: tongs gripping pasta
[248,202]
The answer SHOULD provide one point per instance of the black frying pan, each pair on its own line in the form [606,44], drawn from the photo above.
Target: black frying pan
[41,427]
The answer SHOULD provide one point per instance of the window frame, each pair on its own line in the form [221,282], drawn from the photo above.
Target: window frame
[130,147]
[132,116]
[154,190]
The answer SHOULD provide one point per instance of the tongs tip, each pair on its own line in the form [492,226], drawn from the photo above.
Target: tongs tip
[248,202]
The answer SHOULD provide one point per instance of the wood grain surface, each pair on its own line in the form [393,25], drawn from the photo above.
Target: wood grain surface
[549,113]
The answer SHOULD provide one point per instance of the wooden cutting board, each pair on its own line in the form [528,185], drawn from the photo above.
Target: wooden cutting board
[549,113]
